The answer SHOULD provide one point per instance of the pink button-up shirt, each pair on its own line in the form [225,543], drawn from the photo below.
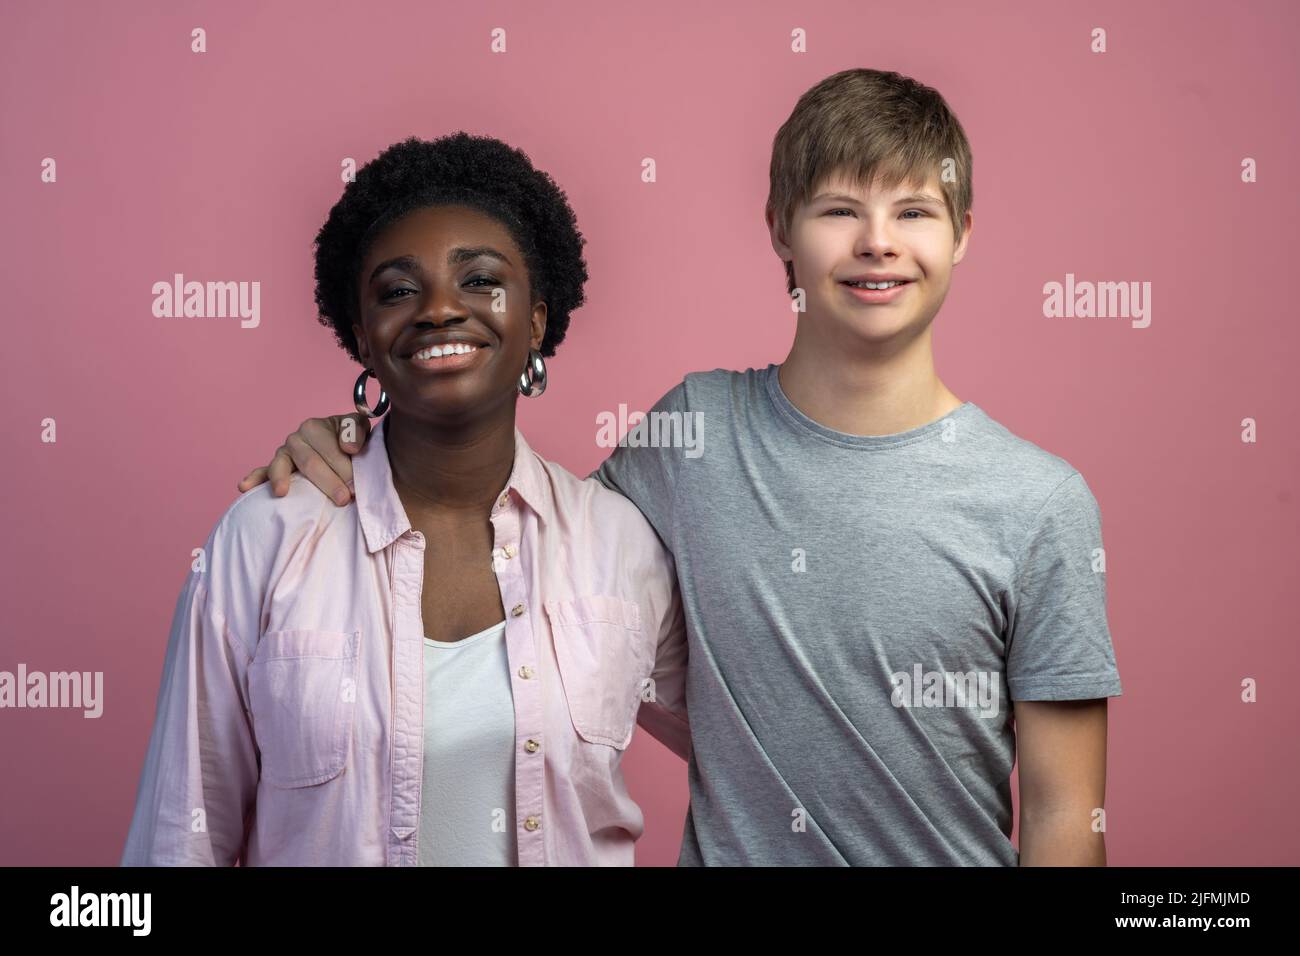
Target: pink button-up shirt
[289,726]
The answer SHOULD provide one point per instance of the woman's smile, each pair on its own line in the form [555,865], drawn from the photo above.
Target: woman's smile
[447,358]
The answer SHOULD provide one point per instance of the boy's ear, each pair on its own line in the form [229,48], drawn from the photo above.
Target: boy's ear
[779,245]
[967,225]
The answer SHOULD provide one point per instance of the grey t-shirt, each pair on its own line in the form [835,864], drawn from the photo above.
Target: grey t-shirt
[861,611]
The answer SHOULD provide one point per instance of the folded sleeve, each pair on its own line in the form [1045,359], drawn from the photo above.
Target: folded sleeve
[196,793]
[1059,642]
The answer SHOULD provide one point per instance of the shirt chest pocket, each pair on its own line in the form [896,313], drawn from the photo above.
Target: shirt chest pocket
[603,663]
[302,688]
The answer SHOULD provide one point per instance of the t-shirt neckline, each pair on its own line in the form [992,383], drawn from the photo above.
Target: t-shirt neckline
[866,442]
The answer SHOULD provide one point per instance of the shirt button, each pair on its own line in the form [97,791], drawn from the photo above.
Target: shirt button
[532,746]
[532,823]
[526,672]
[517,610]
[510,550]
[501,502]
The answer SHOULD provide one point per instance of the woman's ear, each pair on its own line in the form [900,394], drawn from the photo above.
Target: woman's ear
[538,323]
[363,347]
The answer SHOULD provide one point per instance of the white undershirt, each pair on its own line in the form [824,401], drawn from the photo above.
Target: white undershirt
[467,805]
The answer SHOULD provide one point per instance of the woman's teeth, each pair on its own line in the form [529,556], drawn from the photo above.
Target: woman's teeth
[877,285]
[438,351]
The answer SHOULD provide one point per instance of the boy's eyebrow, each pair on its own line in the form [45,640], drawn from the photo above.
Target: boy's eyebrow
[921,198]
[457,255]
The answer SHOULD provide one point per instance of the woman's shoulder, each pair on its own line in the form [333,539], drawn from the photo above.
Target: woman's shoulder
[259,525]
[587,499]
[257,506]
[608,536]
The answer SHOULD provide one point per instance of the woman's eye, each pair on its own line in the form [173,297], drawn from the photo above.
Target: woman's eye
[475,281]
[917,211]
[833,211]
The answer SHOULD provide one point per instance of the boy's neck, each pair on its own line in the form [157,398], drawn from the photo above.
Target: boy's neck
[863,393]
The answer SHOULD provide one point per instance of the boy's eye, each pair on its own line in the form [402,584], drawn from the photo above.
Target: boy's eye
[919,212]
[487,279]
[389,295]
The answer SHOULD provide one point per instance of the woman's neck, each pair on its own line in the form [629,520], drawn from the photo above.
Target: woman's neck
[442,470]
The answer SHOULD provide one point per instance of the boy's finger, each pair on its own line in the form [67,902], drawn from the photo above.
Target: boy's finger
[322,436]
[254,478]
[278,473]
[353,430]
[317,470]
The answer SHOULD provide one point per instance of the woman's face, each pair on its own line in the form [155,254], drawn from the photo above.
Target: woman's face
[451,278]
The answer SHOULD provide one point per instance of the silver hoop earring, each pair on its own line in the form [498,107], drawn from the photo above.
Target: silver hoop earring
[359,396]
[533,380]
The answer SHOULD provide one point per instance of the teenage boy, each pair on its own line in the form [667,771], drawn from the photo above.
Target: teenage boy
[888,594]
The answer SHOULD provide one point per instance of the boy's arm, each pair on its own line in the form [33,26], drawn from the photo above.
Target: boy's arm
[1062,755]
[1060,670]
[645,471]
[322,449]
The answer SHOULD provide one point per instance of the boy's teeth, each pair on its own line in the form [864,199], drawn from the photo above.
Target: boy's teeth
[877,285]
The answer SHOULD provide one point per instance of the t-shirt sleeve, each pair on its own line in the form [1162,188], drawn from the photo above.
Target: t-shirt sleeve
[644,469]
[1059,645]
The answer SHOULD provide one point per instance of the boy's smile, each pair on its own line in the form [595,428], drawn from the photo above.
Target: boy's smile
[877,290]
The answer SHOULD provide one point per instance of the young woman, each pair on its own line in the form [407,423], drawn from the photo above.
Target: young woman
[448,670]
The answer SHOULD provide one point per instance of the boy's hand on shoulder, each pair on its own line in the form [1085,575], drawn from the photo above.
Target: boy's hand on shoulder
[322,449]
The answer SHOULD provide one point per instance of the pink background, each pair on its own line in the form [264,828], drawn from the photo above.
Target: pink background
[1123,166]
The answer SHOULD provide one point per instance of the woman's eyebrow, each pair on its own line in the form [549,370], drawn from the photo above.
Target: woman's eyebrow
[465,253]
[456,256]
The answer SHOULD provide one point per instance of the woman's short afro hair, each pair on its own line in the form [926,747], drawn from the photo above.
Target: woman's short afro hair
[463,170]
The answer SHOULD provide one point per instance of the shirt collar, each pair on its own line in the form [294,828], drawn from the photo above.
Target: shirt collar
[383,519]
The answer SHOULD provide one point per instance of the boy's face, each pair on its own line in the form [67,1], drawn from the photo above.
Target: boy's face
[846,233]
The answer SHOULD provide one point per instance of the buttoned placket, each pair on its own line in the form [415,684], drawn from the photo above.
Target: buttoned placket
[525,680]
[407,750]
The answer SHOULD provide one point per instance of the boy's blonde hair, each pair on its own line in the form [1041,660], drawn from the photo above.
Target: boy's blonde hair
[868,125]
